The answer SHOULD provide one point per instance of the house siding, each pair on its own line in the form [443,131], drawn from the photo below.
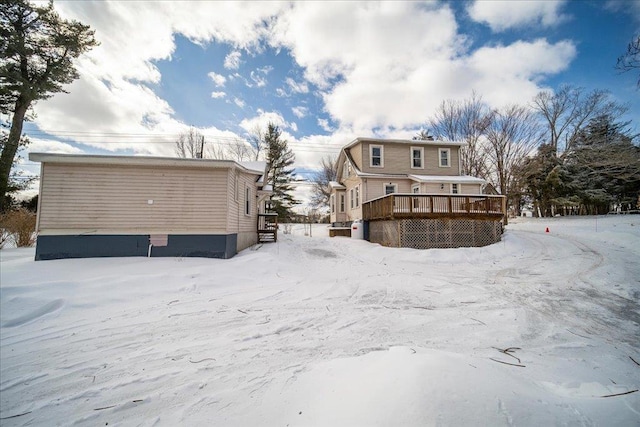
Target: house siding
[356,155]
[471,189]
[397,159]
[375,187]
[113,199]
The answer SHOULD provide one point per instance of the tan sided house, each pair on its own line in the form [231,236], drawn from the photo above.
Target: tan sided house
[411,193]
[98,206]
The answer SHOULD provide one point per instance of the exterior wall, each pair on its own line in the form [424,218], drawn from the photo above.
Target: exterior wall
[113,199]
[375,186]
[247,239]
[397,159]
[435,233]
[237,220]
[434,188]
[471,189]
[356,155]
[356,212]
[51,247]
[338,216]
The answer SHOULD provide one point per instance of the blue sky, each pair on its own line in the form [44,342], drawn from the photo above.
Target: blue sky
[325,72]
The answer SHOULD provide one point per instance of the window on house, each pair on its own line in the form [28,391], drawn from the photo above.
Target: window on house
[390,188]
[376,153]
[357,196]
[342,202]
[247,201]
[454,189]
[444,155]
[417,154]
[351,198]
[332,202]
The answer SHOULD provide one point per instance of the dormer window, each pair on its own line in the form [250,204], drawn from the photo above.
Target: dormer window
[444,157]
[417,156]
[376,156]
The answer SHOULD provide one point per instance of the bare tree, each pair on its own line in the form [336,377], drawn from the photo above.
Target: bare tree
[512,135]
[190,144]
[257,142]
[240,150]
[568,110]
[465,121]
[631,58]
[320,190]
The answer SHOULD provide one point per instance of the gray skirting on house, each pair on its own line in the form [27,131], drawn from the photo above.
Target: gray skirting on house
[178,245]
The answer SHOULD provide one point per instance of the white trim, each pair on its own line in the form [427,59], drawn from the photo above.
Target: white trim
[415,186]
[371,147]
[357,188]
[421,149]
[448,151]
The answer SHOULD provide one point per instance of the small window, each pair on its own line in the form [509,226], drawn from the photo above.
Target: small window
[357,196]
[390,188]
[417,154]
[332,202]
[351,198]
[376,153]
[454,189]
[342,202]
[444,155]
[247,201]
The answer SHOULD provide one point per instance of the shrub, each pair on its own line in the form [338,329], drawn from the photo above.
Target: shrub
[18,226]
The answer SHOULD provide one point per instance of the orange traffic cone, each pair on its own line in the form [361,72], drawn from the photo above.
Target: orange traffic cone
[547,230]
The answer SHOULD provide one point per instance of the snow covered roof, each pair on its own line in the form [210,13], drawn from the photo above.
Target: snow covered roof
[462,179]
[336,185]
[251,167]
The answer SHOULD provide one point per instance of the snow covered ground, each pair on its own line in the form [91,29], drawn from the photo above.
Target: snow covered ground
[539,329]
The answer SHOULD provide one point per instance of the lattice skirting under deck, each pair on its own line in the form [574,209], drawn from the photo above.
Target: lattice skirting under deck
[435,233]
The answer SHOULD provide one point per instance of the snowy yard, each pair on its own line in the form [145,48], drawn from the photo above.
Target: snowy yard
[539,329]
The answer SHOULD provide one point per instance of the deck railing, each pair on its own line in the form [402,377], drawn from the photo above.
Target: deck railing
[267,227]
[397,206]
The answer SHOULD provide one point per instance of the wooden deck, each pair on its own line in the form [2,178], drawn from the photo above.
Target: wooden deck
[427,206]
[267,227]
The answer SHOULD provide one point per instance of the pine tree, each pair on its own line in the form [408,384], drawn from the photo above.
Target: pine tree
[280,159]
[37,49]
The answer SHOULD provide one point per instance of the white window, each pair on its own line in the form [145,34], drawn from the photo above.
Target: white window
[417,154]
[332,202]
[444,157]
[357,196]
[454,189]
[390,188]
[342,202]
[247,201]
[351,198]
[376,156]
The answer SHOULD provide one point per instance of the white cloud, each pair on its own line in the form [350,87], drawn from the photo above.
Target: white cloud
[297,87]
[257,79]
[239,102]
[232,60]
[324,124]
[504,15]
[218,79]
[300,111]
[218,95]
[39,145]
[262,120]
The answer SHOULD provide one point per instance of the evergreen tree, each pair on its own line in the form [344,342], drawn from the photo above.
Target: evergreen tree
[37,49]
[605,165]
[280,159]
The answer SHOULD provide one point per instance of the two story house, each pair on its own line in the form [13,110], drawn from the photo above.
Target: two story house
[370,168]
